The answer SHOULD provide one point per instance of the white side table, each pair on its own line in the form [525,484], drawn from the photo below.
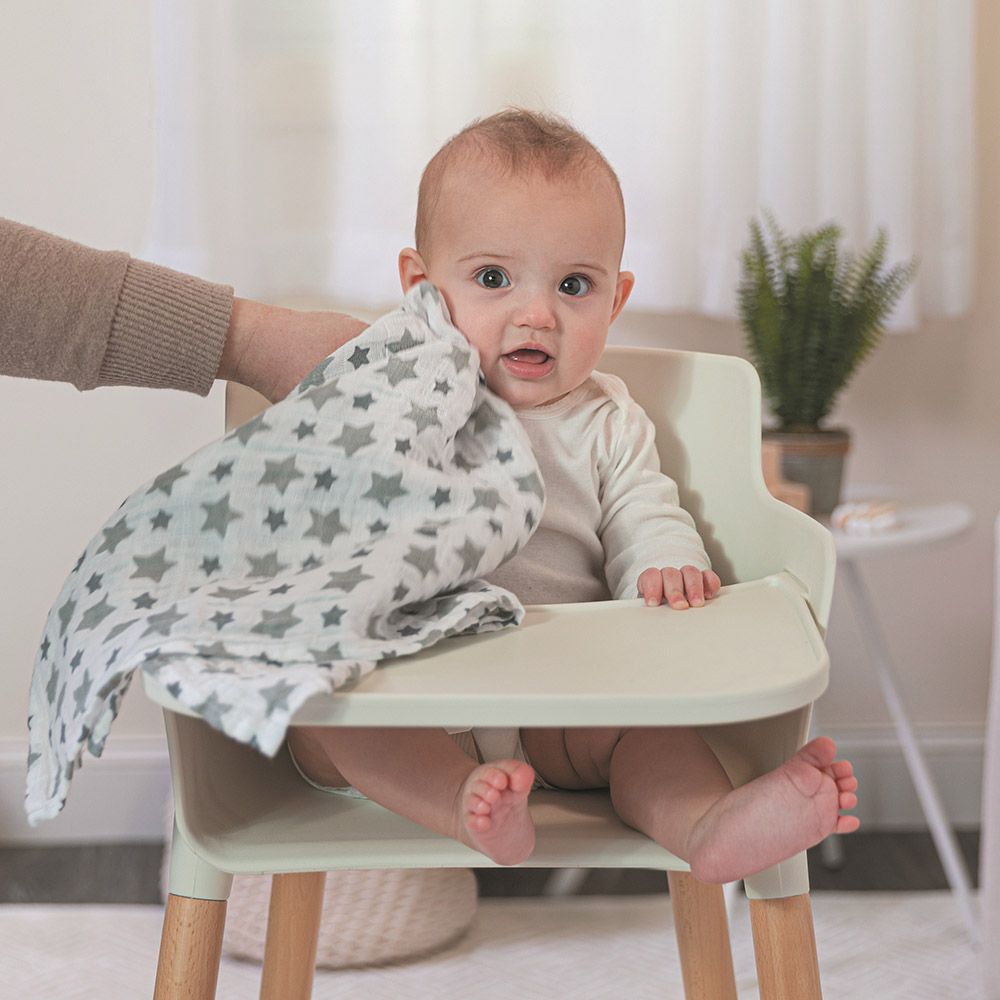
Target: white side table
[920,526]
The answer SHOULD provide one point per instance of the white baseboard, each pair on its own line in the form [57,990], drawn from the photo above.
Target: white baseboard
[887,798]
[123,796]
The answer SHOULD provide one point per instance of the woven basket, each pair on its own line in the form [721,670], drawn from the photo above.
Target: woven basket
[372,917]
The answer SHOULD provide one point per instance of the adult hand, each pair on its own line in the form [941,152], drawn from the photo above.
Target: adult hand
[271,349]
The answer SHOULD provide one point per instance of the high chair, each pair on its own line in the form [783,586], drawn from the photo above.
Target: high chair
[745,669]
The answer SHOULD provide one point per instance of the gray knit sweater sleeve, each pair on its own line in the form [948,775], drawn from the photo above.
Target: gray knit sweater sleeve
[69,313]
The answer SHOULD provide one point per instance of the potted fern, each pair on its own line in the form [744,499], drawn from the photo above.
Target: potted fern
[812,314]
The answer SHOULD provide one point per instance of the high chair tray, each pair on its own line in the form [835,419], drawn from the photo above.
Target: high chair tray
[753,652]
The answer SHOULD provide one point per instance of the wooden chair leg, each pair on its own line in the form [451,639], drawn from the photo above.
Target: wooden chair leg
[190,948]
[784,944]
[292,933]
[702,938]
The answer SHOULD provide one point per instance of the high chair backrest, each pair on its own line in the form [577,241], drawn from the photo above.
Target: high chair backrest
[707,413]
[706,409]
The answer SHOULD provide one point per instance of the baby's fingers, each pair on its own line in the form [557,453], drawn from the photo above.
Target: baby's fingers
[712,584]
[673,587]
[650,586]
[693,586]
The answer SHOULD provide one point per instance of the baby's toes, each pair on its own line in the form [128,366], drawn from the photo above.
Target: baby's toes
[480,824]
[487,792]
[847,824]
[841,769]
[478,806]
[494,778]
[847,784]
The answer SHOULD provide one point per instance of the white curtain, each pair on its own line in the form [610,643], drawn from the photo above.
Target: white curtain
[291,136]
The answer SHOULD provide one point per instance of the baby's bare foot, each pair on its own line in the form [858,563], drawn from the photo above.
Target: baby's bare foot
[493,811]
[775,816]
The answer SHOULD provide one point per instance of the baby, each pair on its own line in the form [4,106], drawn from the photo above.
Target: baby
[521,225]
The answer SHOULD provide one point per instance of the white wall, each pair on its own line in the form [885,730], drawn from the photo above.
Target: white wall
[76,103]
[76,120]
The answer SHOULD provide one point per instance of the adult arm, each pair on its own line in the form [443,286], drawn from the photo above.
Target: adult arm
[70,313]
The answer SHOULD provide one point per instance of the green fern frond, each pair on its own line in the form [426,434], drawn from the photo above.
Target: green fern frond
[812,314]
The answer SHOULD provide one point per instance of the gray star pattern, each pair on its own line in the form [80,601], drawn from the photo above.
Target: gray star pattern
[460,358]
[325,527]
[488,498]
[347,580]
[471,556]
[485,418]
[93,616]
[266,565]
[162,623]
[152,566]
[66,615]
[275,519]
[423,416]
[276,696]
[333,616]
[359,357]
[280,474]
[276,623]
[232,593]
[246,431]
[425,560]
[530,483]
[322,395]
[113,537]
[165,480]
[166,566]
[82,693]
[404,343]
[385,489]
[220,514]
[353,439]
[396,370]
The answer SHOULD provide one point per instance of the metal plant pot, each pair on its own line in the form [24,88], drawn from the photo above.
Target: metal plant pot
[815,458]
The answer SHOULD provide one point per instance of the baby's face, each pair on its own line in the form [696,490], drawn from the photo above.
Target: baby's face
[529,269]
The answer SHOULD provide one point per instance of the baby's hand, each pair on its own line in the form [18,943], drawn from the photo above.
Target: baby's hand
[685,587]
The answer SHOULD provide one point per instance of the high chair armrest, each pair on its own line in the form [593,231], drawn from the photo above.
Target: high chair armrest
[753,652]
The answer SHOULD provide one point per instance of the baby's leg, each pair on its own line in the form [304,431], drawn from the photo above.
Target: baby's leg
[423,775]
[670,785]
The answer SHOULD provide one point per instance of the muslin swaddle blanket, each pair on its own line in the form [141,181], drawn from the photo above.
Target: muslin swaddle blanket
[347,524]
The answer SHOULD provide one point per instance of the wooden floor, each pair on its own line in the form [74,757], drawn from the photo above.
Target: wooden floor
[130,873]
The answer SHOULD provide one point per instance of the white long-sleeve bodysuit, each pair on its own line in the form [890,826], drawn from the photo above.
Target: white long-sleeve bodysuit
[610,513]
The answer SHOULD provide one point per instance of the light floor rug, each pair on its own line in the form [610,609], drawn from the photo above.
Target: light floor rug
[873,946]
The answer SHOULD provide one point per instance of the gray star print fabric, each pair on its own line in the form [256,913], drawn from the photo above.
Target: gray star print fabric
[347,524]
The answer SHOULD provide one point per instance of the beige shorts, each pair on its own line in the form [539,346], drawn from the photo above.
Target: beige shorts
[480,743]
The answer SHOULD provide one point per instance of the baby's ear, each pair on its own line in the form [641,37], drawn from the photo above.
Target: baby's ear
[412,269]
[623,289]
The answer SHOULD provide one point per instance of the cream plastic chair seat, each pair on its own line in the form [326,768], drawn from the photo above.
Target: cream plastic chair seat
[745,669]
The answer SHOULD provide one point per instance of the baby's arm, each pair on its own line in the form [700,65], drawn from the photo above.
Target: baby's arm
[643,524]
[683,588]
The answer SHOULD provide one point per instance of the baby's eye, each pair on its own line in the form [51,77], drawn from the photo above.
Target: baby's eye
[575,284]
[492,277]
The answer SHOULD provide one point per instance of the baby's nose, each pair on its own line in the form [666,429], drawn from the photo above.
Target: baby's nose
[536,311]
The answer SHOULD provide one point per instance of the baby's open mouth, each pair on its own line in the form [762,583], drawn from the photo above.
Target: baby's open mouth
[528,356]
[528,363]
